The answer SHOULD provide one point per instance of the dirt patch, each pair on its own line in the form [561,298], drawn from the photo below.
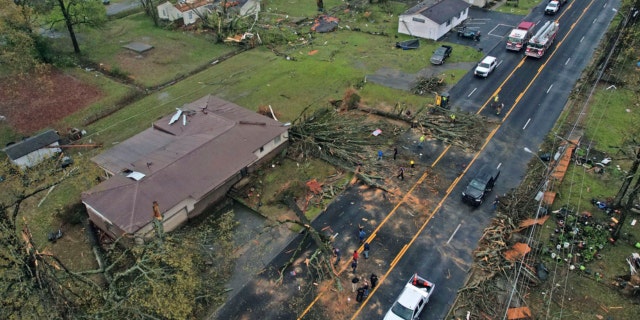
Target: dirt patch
[36,102]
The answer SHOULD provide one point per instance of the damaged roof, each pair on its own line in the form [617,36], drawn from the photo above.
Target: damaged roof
[439,12]
[179,161]
[31,144]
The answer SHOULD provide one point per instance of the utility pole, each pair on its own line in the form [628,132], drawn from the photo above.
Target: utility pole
[633,195]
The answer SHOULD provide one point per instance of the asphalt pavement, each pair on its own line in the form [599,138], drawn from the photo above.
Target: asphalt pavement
[428,230]
[115,7]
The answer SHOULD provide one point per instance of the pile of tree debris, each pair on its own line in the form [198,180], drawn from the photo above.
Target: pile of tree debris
[427,85]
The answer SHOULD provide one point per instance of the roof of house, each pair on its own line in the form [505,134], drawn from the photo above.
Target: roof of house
[179,161]
[31,144]
[438,12]
[191,5]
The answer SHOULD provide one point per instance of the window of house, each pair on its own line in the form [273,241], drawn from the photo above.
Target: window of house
[448,22]
[190,15]
[261,149]
[276,140]
[418,20]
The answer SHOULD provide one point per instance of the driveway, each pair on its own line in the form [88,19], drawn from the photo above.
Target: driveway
[116,7]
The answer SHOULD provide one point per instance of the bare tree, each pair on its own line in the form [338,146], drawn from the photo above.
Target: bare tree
[74,13]
[150,9]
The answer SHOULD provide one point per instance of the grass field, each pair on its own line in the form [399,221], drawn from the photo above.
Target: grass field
[322,68]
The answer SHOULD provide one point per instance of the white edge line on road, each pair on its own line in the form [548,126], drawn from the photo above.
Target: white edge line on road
[551,86]
[581,39]
[454,233]
[472,91]
[594,21]
[526,124]
[499,165]
[566,63]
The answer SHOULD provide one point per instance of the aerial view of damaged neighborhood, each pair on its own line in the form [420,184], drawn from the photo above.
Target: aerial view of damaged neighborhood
[327,159]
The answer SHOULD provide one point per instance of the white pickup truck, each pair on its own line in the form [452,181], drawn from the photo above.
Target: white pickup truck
[412,300]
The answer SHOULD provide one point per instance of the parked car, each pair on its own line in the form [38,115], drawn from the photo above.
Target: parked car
[412,300]
[552,7]
[469,33]
[441,54]
[480,186]
[486,66]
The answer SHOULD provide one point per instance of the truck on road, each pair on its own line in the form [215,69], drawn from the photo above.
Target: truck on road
[480,186]
[542,40]
[412,300]
[519,37]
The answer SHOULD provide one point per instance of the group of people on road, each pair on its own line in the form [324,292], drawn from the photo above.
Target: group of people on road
[361,291]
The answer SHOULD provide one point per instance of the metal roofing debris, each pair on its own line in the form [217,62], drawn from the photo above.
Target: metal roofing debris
[175,116]
[517,251]
[137,176]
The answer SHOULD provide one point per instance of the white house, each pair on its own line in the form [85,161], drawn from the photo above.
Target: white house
[431,20]
[191,10]
[182,165]
[168,11]
[31,151]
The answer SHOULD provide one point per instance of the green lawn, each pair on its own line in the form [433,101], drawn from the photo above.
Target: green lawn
[175,53]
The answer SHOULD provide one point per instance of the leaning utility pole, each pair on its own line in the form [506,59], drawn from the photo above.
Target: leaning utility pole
[633,195]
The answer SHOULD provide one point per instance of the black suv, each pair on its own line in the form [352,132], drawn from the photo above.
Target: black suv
[481,184]
[441,54]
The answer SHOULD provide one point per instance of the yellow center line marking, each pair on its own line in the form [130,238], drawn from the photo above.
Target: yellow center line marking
[451,187]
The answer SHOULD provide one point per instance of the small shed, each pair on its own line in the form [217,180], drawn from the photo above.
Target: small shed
[31,151]
[432,20]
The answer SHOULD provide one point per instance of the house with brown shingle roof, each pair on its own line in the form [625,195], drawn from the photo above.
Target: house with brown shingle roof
[433,19]
[186,162]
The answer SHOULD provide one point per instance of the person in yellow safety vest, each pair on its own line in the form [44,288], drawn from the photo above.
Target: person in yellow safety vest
[453,117]
[421,140]
[412,164]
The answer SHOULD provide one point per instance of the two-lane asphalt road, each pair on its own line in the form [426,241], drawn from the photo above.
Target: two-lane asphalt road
[534,92]
[429,231]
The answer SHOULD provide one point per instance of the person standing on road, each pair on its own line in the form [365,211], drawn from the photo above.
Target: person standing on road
[401,174]
[496,202]
[361,234]
[360,295]
[366,250]
[354,265]
[355,255]
[374,280]
[365,287]
[395,152]
[421,140]
[336,253]
[354,283]
[380,154]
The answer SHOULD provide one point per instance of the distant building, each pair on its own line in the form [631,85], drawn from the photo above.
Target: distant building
[189,11]
[31,151]
[185,167]
[432,20]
